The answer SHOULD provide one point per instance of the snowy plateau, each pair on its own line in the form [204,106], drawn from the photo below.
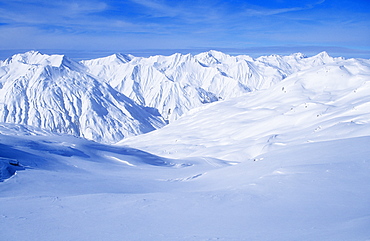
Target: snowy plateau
[184,147]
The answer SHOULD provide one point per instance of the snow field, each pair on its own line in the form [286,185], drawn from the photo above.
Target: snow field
[309,191]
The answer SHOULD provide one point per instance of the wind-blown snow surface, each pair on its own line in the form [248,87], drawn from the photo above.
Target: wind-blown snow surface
[73,189]
[290,161]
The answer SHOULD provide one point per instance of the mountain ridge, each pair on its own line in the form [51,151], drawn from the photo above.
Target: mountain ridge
[110,98]
[320,103]
[64,99]
[284,154]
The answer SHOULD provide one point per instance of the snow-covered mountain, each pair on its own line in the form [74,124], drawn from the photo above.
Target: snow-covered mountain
[324,102]
[178,83]
[285,155]
[55,93]
[110,98]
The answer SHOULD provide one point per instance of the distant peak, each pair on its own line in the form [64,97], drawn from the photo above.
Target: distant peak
[124,57]
[299,55]
[212,51]
[29,54]
[116,58]
[323,54]
[215,53]
[37,58]
[33,52]
[30,57]
[211,57]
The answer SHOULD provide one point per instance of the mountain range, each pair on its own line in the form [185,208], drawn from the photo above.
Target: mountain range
[108,99]
[184,147]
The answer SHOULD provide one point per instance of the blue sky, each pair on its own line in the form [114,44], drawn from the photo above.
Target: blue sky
[143,27]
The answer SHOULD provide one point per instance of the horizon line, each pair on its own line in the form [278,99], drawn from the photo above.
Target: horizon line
[254,52]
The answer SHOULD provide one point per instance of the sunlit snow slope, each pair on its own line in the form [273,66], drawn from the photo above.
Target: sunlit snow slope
[67,188]
[284,156]
[111,98]
[178,83]
[325,102]
[55,93]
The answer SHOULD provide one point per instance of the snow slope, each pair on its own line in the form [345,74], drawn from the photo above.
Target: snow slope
[178,83]
[325,102]
[290,161]
[72,189]
[110,98]
[55,93]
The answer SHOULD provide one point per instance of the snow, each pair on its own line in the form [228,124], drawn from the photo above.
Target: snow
[288,159]
[322,103]
[74,189]
[63,98]
[52,91]
[178,83]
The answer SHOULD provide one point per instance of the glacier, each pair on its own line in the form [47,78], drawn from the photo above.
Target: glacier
[184,147]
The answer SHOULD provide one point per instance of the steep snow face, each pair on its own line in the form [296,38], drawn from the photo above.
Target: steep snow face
[54,93]
[325,102]
[168,84]
[178,83]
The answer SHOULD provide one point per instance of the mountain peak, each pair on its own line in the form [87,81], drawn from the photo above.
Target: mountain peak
[211,57]
[323,54]
[32,53]
[30,57]
[167,86]
[298,55]
[124,57]
[215,52]
[37,58]
[114,59]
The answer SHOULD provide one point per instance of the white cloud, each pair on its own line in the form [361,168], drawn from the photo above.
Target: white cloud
[260,11]
[84,7]
[160,8]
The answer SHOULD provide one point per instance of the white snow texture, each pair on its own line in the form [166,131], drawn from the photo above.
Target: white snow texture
[184,147]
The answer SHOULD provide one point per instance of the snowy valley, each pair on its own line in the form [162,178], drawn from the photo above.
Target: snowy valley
[184,147]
